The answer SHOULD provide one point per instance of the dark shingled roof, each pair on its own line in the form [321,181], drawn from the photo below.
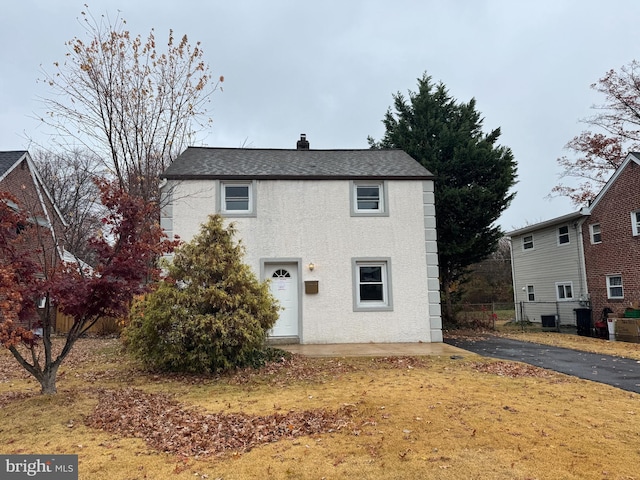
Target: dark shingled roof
[249,163]
[8,159]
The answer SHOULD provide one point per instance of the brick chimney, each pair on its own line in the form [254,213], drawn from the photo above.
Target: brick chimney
[302,144]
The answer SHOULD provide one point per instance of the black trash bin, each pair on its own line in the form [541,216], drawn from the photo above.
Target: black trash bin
[584,321]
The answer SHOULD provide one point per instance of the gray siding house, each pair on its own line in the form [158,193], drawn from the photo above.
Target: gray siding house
[547,261]
[587,260]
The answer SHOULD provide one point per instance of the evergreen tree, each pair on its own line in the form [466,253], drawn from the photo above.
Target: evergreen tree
[473,175]
[209,315]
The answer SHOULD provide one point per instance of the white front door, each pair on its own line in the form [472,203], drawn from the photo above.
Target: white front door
[284,287]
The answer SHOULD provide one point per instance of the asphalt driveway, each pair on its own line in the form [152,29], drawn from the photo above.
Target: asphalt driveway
[619,372]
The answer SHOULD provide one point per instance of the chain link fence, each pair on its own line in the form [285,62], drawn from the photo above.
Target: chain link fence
[545,315]
[483,315]
[565,313]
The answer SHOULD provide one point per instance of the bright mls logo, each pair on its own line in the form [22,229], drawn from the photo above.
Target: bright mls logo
[50,467]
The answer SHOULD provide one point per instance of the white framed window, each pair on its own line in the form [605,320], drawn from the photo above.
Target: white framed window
[614,286]
[531,294]
[368,198]
[237,198]
[564,290]
[635,223]
[527,242]
[595,233]
[563,235]
[372,284]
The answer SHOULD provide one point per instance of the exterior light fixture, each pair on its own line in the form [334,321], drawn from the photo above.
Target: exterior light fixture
[311,266]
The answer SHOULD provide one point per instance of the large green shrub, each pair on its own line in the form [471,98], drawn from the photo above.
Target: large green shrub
[210,314]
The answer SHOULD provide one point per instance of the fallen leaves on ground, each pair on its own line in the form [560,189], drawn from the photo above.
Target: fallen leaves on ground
[85,351]
[295,369]
[8,397]
[9,367]
[512,369]
[172,427]
[467,334]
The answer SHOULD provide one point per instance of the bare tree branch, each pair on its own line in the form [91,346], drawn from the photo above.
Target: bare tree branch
[600,153]
[132,106]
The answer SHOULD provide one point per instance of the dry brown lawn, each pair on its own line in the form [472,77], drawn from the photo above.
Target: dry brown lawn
[391,418]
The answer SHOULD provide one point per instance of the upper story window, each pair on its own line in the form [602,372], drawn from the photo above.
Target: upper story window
[237,198]
[563,235]
[531,295]
[368,199]
[527,242]
[372,284]
[595,233]
[614,286]
[564,290]
[635,222]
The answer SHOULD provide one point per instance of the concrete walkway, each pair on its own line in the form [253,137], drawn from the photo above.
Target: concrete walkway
[373,349]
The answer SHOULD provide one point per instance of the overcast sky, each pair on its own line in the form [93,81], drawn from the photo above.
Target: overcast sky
[329,69]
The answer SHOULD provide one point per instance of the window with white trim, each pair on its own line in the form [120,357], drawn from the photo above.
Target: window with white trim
[372,284]
[527,242]
[531,295]
[614,286]
[595,233]
[236,198]
[564,290]
[563,235]
[368,198]
[635,223]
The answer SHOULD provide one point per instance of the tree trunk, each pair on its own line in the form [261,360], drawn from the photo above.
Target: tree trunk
[448,315]
[46,376]
[48,381]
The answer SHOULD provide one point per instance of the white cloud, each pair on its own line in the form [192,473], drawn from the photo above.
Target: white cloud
[329,69]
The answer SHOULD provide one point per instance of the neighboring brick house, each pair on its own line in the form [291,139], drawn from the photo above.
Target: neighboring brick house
[19,177]
[611,239]
[587,259]
[347,237]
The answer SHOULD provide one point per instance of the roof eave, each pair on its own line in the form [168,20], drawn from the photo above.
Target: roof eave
[296,177]
[23,155]
[547,223]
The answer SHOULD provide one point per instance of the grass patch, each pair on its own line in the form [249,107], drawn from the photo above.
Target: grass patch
[400,418]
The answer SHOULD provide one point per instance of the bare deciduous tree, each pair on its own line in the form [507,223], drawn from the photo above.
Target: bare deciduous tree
[617,124]
[69,178]
[134,107]
[490,280]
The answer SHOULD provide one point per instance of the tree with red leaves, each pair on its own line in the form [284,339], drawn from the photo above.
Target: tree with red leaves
[600,153]
[125,253]
[17,273]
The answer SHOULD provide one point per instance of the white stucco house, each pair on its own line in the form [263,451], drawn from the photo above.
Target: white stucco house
[346,237]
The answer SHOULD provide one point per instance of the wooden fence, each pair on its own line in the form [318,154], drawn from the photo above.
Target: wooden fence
[104,326]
